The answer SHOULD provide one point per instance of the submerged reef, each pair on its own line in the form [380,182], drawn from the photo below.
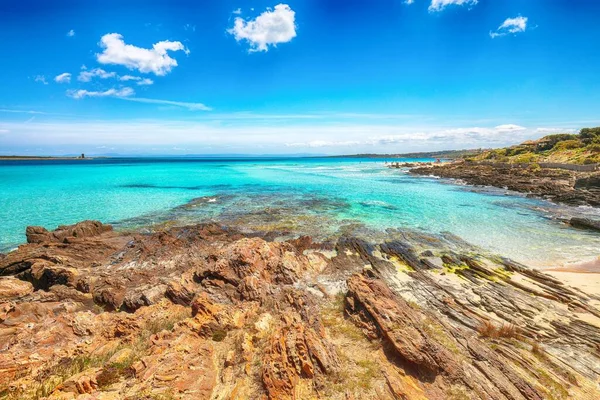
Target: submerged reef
[210,312]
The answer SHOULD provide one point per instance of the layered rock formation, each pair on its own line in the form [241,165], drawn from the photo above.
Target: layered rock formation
[203,312]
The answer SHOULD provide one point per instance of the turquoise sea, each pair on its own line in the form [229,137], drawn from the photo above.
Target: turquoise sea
[317,196]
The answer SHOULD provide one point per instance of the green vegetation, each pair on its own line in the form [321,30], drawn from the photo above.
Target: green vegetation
[582,148]
[219,335]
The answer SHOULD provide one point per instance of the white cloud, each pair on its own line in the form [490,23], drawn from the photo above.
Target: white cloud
[189,27]
[439,5]
[237,11]
[546,131]
[71,33]
[145,82]
[86,76]
[140,81]
[206,130]
[511,25]
[129,78]
[409,2]
[63,78]
[6,110]
[155,60]
[268,29]
[324,143]
[509,128]
[41,79]
[81,93]
[189,106]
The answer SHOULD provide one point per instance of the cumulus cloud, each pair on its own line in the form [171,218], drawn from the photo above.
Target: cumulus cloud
[510,25]
[82,93]
[182,104]
[86,76]
[63,78]
[71,33]
[155,60]
[268,29]
[41,79]
[409,2]
[439,5]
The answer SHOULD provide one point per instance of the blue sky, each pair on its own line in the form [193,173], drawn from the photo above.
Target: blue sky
[306,76]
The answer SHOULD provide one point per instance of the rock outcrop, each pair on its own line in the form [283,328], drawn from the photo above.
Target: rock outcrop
[202,312]
[81,230]
[561,186]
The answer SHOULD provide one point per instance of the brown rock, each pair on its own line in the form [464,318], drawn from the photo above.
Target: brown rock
[12,288]
[81,230]
[295,352]
[373,305]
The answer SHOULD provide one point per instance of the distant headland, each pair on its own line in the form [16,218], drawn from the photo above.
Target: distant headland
[18,158]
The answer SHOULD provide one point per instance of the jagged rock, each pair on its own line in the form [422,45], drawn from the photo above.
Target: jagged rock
[588,182]
[200,312]
[373,305]
[81,230]
[295,352]
[561,186]
[180,292]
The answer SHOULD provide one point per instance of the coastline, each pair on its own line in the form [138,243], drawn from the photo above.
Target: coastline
[560,186]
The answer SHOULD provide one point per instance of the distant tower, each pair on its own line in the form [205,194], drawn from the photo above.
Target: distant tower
[82,155]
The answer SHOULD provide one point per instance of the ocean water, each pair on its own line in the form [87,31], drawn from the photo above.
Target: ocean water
[311,195]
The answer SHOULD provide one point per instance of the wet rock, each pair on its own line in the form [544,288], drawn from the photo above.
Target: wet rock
[585,223]
[588,182]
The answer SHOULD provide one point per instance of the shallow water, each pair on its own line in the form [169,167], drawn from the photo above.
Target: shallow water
[312,196]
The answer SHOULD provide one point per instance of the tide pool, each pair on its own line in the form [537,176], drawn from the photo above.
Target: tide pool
[322,194]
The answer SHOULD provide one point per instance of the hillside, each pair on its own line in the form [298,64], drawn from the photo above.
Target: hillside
[445,154]
[581,148]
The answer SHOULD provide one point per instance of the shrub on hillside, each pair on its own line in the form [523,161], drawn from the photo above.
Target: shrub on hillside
[588,135]
[516,150]
[592,160]
[525,158]
[567,145]
[548,142]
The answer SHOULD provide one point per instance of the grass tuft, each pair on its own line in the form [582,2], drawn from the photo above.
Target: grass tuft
[506,331]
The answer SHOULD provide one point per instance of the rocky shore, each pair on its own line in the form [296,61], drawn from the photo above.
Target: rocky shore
[558,185]
[204,312]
